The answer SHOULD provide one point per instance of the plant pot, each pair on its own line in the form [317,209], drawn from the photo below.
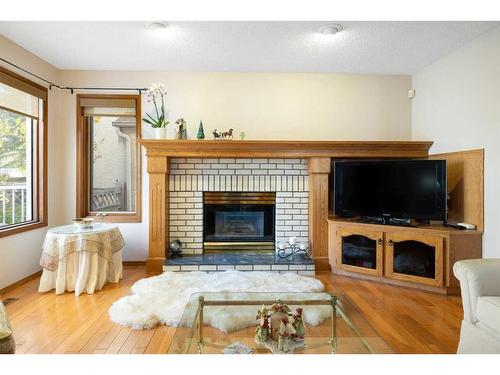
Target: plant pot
[160,133]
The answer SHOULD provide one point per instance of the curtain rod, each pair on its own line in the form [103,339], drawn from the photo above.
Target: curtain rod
[72,89]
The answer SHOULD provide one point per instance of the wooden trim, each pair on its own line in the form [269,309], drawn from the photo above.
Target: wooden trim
[82,164]
[130,263]
[18,113]
[10,287]
[319,165]
[465,184]
[421,228]
[40,174]
[106,102]
[321,264]
[23,84]
[158,213]
[43,201]
[395,282]
[22,228]
[246,198]
[319,169]
[286,149]
[463,247]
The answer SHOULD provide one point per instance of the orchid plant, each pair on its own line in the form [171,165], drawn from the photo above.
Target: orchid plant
[156,95]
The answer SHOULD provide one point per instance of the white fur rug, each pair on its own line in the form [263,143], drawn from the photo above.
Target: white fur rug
[162,299]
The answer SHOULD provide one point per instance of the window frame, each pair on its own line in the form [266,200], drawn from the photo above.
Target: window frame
[82,164]
[39,166]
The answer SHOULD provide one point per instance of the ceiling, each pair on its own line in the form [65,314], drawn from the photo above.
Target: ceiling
[362,47]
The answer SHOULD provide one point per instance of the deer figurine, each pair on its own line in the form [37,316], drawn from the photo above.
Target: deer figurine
[228,134]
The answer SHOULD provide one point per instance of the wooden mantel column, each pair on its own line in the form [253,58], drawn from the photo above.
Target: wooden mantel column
[319,171]
[158,212]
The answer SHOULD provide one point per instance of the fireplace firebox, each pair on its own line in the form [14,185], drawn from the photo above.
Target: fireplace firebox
[238,221]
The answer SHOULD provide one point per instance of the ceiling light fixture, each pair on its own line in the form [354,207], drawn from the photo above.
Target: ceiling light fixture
[157,25]
[331,29]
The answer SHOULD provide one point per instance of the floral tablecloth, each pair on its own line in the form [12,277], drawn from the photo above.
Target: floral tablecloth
[81,260]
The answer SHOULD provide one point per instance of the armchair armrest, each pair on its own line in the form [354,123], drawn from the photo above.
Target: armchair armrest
[478,277]
[7,345]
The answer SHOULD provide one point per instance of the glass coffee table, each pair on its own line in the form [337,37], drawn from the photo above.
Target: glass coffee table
[215,323]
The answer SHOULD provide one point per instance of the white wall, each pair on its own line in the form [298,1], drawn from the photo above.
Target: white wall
[276,105]
[457,105]
[20,253]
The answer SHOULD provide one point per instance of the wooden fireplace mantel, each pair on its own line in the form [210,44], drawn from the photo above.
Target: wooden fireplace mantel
[286,149]
[319,154]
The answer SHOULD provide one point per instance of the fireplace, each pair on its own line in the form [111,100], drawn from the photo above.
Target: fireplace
[238,221]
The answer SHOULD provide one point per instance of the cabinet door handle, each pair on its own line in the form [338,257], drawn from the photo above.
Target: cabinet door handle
[390,243]
[379,241]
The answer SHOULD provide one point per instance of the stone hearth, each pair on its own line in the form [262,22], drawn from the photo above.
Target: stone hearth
[241,262]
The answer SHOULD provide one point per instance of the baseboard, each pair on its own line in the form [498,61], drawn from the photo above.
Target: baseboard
[399,283]
[134,263]
[321,263]
[8,288]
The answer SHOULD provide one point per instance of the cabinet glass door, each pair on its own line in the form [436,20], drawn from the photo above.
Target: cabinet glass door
[415,258]
[360,251]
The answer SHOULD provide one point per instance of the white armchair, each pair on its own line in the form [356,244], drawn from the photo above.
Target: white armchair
[480,286]
[7,344]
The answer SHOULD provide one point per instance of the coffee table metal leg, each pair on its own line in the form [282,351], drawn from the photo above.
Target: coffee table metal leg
[201,303]
[333,301]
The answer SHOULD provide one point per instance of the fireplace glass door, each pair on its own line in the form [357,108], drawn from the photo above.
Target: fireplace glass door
[238,221]
[237,224]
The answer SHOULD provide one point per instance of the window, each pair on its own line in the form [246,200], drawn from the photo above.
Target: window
[23,139]
[108,157]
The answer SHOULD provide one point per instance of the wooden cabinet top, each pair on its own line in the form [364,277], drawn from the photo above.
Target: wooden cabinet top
[423,228]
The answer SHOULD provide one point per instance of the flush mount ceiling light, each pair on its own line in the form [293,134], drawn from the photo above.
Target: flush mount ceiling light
[331,29]
[157,26]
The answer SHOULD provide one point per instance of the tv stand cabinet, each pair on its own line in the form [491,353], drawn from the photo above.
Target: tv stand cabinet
[419,257]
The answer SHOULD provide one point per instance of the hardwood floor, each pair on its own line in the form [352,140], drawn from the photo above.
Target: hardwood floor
[410,321]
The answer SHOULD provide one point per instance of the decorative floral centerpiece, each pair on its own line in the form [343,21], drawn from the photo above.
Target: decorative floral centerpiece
[280,330]
[158,121]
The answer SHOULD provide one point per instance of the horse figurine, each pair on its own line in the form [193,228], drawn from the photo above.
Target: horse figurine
[228,134]
[216,134]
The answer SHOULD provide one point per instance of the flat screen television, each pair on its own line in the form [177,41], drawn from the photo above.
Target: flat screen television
[396,189]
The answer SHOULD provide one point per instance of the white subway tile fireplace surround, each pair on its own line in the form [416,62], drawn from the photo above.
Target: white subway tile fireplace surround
[190,177]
